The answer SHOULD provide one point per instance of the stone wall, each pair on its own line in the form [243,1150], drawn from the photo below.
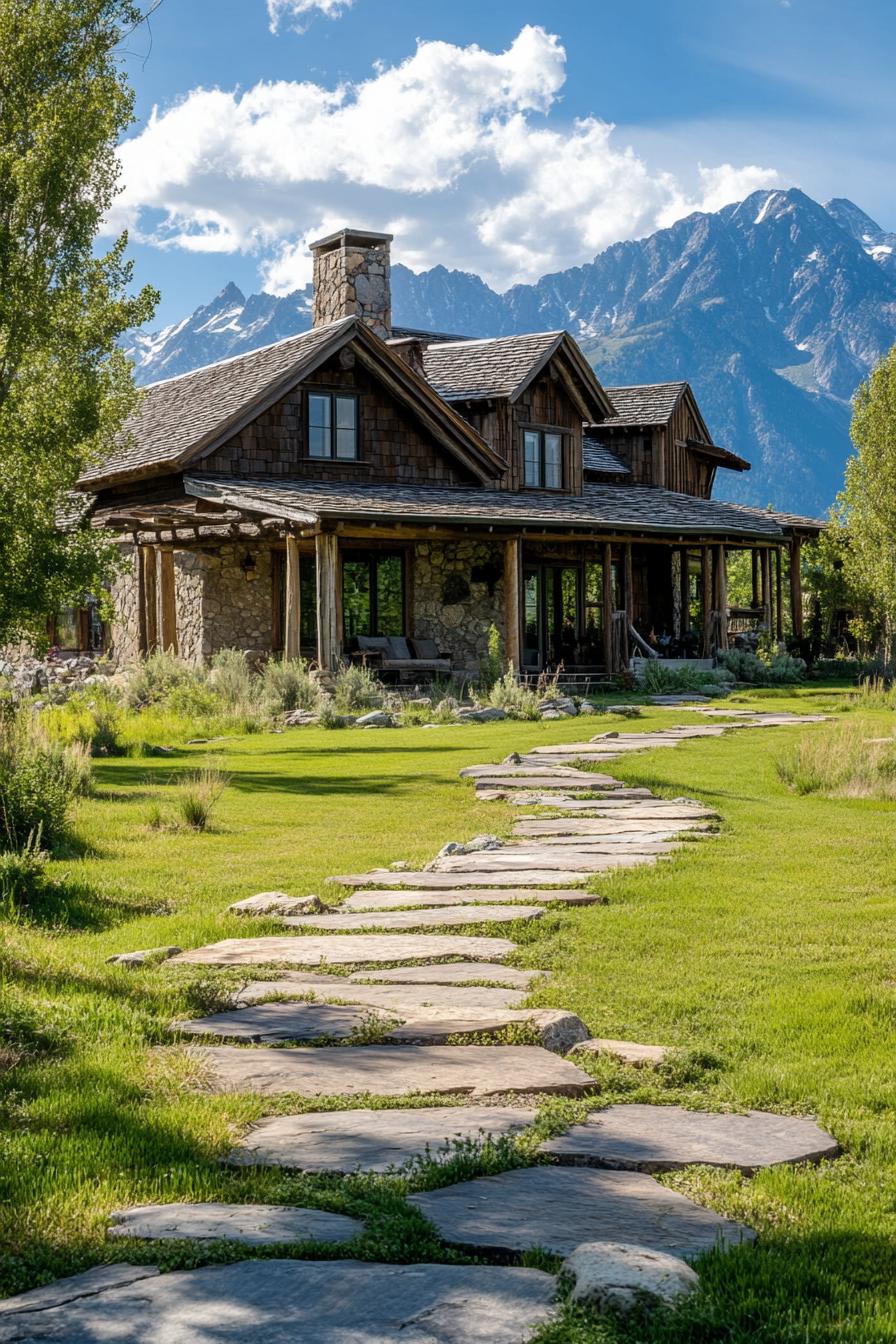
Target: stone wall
[237,611]
[189,577]
[126,600]
[459,626]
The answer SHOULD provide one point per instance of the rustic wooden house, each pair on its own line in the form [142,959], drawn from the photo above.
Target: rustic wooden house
[364,489]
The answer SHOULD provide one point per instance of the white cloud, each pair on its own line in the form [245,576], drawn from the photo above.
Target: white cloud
[298,12]
[458,151]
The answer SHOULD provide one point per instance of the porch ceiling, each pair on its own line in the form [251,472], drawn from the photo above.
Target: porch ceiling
[637,509]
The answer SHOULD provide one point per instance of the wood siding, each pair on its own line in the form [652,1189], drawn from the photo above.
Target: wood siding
[391,445]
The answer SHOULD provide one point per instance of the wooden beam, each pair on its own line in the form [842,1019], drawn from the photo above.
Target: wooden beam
[608,605]
[685,580]
[796,589]
[721,568]
[326,550]
[754,557]
[766,603]
[149,615]
[779,596]
[629,585]
[513,580]
[293,599]
[166,600]
[706,598]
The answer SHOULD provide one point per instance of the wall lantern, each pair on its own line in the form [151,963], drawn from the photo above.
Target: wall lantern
[247,565]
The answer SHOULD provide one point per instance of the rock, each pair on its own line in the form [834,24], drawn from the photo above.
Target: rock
[301,718]
[513,759]
[586,707]
[452,973]
[616,1276]
[147,957]
[346,950]
[377,718]
[474,846]
[420,702]
[552,714]
[316,1301]
[627,1051]
[562,705]
[558,1030]
[254,1224]
[624,711]
[69,1290]
[429,917]
[270,1023]
[276,903]
[488,714]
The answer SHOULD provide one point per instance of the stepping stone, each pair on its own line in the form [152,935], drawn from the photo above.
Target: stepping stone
[346,950]
[662,1138]
[393,1070]
[658,841]
[529,858]
[591,782]
[254,1224]
[276,903]
[453,973]
[148,956]
[523,799]
[365,1140]
[544,770]
[393,900]
[316,1301]
[271,1022]
[440,917]
[432,881]
[559,1208]
[656,811]
[603,826]
[63,1291]
[396,1000]
[628,1052]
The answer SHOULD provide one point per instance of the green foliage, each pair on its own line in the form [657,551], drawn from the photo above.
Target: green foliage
[230,677]
[39,780]
[23,876]
[287,684]
[357,688]
[874,693]
[780,669]
[492,667]
[660,679]
[153,680]
[65,387]
[198,794]
[520,701]
[841,763]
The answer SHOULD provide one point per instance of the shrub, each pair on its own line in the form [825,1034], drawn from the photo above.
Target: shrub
[153,680]
[23,876]
[198,794]
[357,688]
[330,716]
[38,782]
[230,677]
[841,763]
[287,684]
[491,667]
[659,678]
[781,669]
[519,701]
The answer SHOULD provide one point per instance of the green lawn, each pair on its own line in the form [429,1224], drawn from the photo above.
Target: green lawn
[764,955]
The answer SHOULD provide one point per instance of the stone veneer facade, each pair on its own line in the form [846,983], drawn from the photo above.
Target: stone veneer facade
[352,279]
[460,628]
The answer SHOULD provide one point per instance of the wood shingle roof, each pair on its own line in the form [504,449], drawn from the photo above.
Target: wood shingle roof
[597,457]
[644,404]
[477,370]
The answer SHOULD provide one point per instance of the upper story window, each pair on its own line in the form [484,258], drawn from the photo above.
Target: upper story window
[333,425]
[543,459]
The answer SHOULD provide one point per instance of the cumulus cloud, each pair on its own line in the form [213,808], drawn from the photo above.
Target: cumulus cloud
[458,151]
[296,13]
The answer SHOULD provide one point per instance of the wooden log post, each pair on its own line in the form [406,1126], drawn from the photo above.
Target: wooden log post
[166,605]
[608,606]
[754,557]
[721,596]
[779,596]
[767,589]
[796,589]
[149,629]
[513,577]
[685,579]
[706,598]
[293,599]
[326,549]
[629,605]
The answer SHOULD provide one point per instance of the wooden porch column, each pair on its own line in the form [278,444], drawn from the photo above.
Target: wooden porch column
[608,604]
[326,549]
[706,587]
[149,637]
[629,606]
[721,595]
[293,599]
[779,596]
[513,567]
[685,580]
[796,589]
[767,588]
[166,603]
[754,557]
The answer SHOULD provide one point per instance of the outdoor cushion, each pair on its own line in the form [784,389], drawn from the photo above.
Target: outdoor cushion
[398,647]
[425,648]
[373,644]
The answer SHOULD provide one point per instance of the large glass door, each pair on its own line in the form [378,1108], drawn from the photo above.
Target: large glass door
[552,615]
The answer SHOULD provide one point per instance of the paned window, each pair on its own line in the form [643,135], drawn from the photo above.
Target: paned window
[333,426]
[543,459]
[373,594]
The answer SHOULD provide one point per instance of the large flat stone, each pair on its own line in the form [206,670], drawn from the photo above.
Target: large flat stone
[661,1138]
[393,1070]
[317,1302]
[254,1224]
[394,900]
[627,1052]
[559,1208]
[453,973]
[365,1140]
[433,881]
[271,1022]
[439,917]
[543,769]
[348,950]
[397,999]
[603,827]
[655,810]
[62,1291]
[527,859]
[587,781]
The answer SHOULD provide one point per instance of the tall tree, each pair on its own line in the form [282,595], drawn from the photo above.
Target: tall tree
[65,387]
[867,506]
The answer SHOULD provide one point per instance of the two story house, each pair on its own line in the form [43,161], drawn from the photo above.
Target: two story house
[363,486]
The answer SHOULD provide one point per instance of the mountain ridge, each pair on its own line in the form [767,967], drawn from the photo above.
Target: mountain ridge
[774,308]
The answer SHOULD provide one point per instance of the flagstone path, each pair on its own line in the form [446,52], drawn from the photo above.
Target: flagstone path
[590,1182]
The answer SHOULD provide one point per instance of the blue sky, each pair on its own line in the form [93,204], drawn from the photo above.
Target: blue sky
[507,139]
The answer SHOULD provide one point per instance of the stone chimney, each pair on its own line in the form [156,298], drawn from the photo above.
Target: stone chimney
[351,279]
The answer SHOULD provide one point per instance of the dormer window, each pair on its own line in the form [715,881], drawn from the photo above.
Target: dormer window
[543,459]
[333,426]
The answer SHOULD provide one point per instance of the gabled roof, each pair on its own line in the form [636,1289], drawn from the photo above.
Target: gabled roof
[184,418]
[617,508]
[503,367]
[644,404]
[597,457]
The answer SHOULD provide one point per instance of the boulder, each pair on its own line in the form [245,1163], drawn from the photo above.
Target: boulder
[561,704]
[629,1052]
[377,718]
[301,718]
[146,957]
[488,714]
[616,1276]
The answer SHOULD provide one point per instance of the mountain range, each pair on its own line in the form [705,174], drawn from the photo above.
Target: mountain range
[774,309]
